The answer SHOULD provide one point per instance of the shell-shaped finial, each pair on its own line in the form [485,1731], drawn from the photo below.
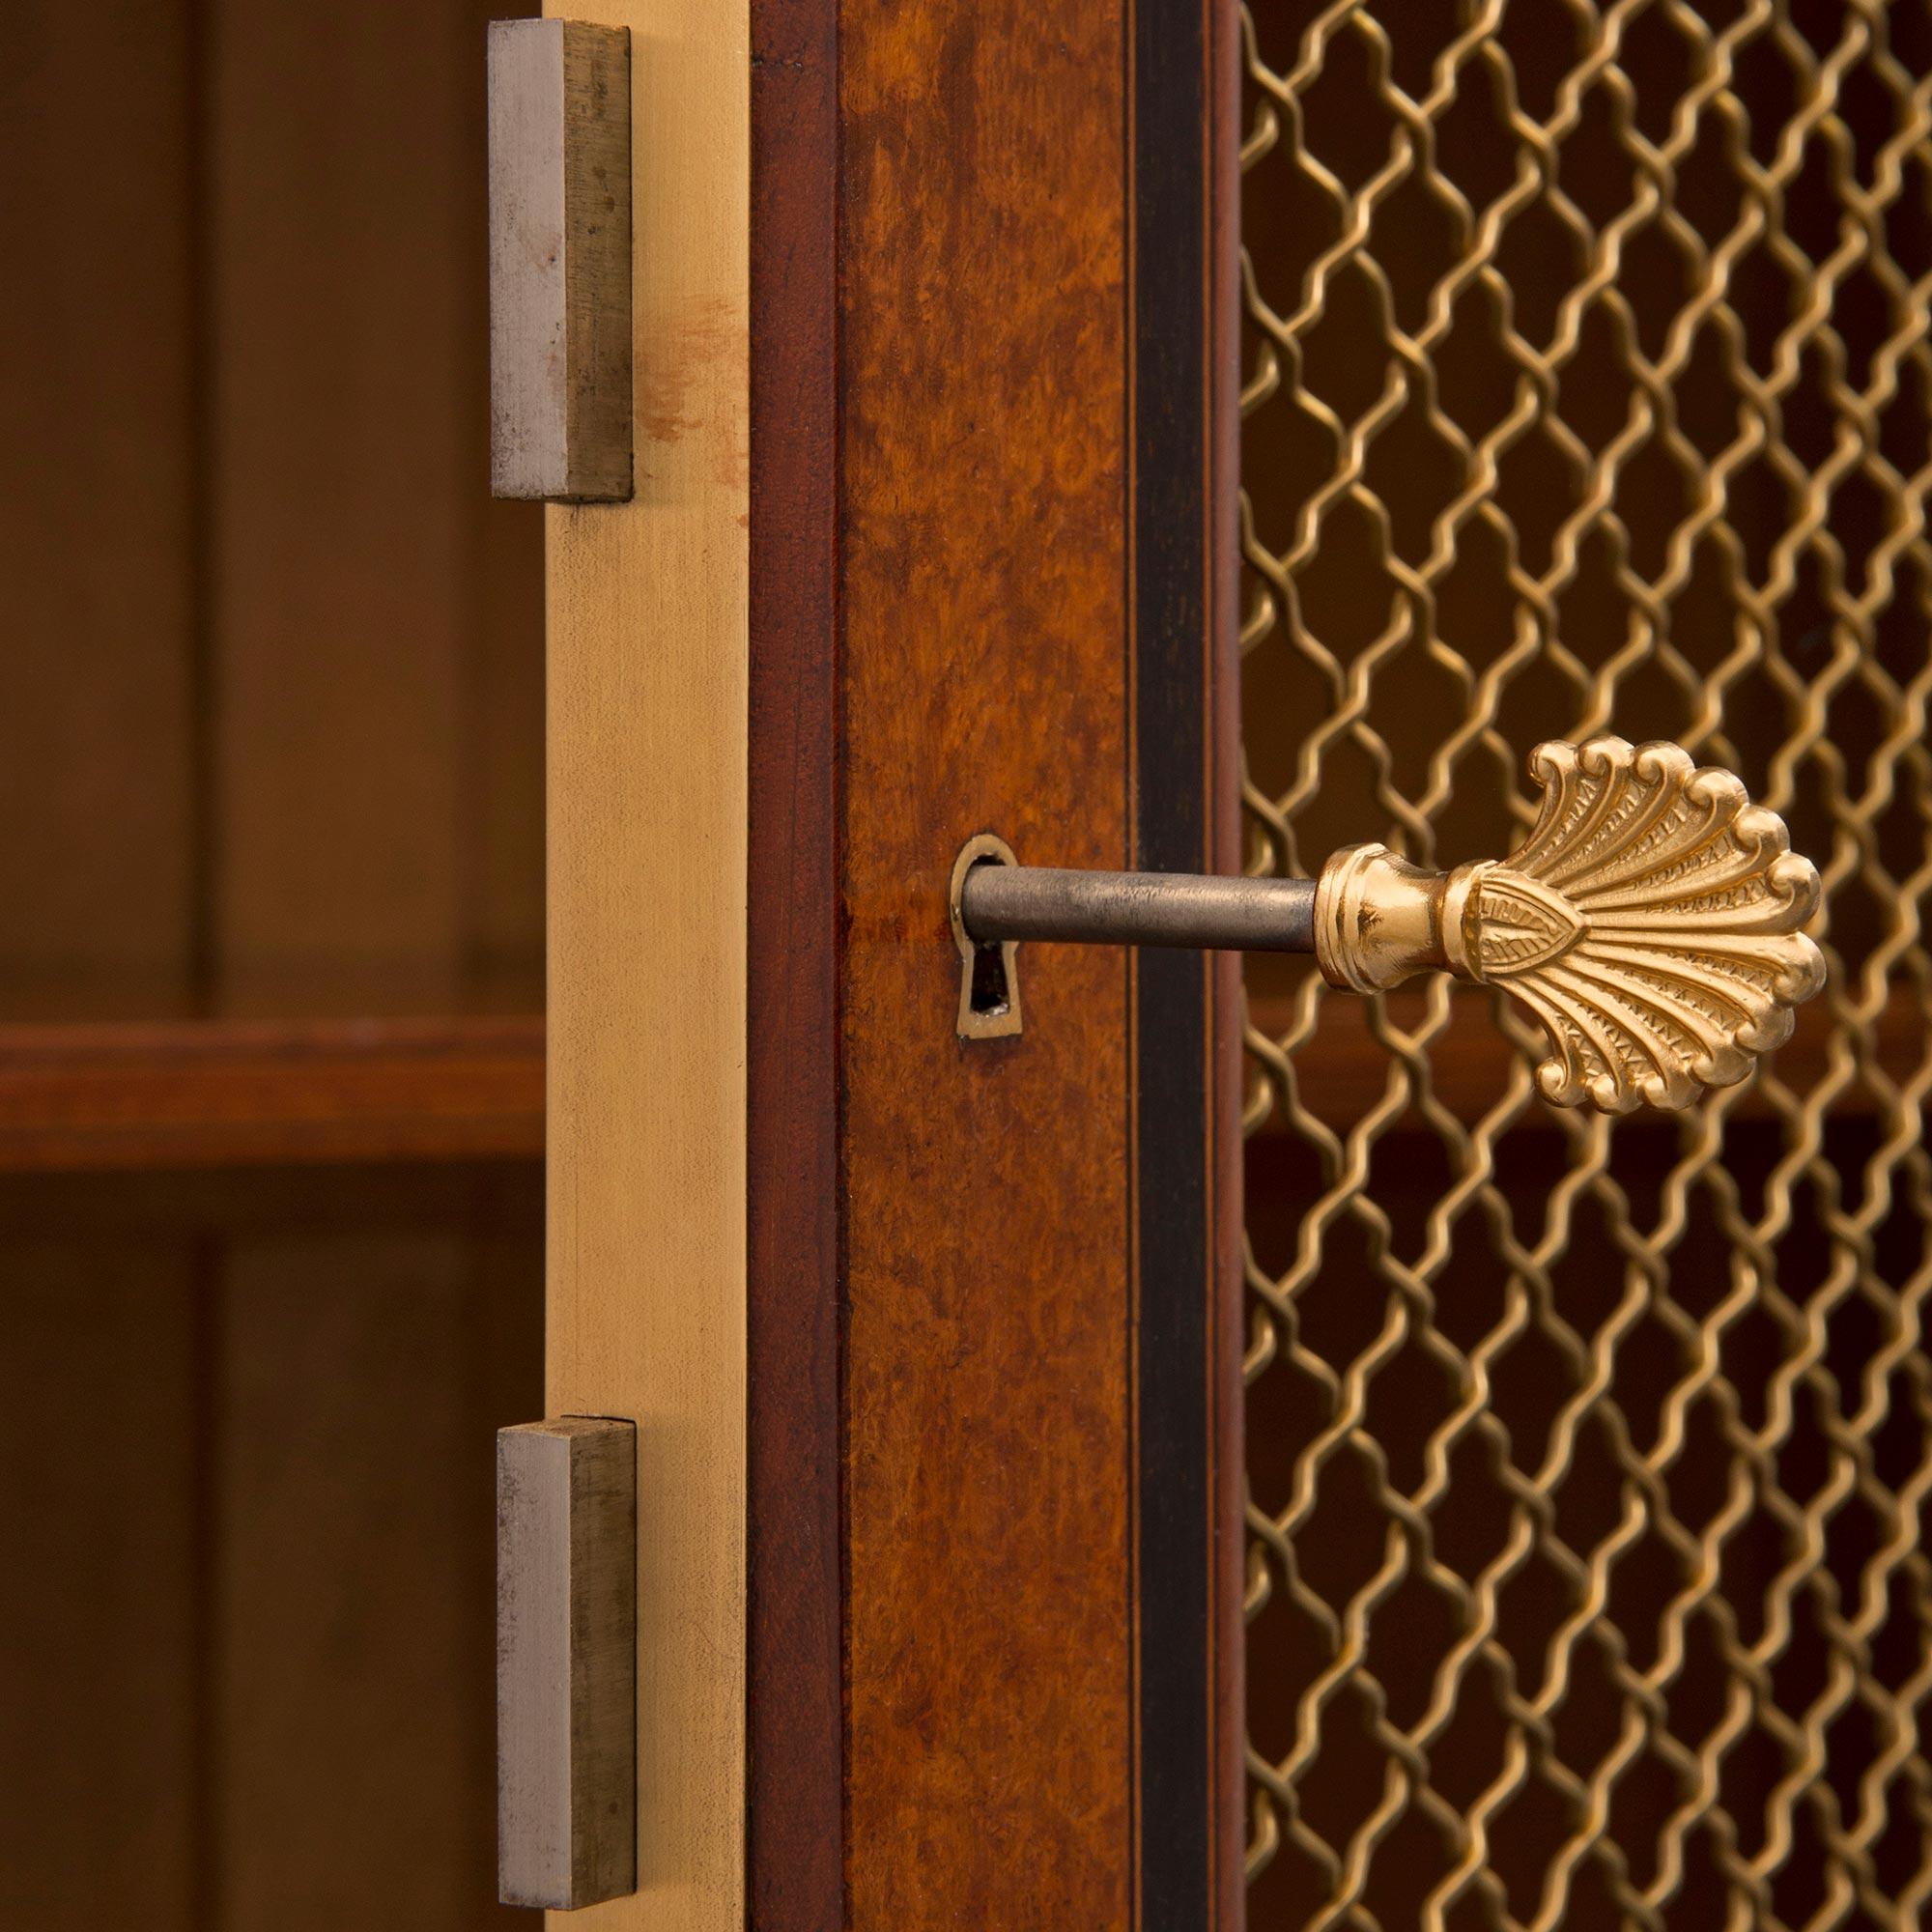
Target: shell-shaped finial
[1650,921]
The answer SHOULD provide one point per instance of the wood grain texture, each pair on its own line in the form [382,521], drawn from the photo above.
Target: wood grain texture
[270,691]
[346,442]
[215,1093]
[795,1709]
[247,1636]
[560,414]
[566,1662]
[348,1656]
[100,1752]
[984,478]
[227,1094]
[647,956]
[98,596]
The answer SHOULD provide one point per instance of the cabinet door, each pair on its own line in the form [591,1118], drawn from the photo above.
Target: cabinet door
[929,1340]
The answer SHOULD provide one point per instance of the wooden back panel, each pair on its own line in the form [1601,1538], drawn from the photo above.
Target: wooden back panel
[271,741]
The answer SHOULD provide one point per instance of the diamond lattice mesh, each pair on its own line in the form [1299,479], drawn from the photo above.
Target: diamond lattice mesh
[1588,388]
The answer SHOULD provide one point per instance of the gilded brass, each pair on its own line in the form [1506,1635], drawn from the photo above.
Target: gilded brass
[1650,921]
[1587,377]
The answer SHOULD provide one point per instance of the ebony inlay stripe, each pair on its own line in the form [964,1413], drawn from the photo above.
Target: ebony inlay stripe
[1177,613]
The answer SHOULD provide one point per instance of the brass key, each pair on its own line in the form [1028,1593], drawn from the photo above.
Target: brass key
[1650,920]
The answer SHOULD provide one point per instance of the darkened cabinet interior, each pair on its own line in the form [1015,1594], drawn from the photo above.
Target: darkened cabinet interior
[271,955]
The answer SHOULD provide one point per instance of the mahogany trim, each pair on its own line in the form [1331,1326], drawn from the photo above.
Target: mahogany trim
[244,1093]
[817,187]
[985,486]
[794,1693]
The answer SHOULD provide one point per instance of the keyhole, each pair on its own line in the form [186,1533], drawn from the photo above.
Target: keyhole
[989,980]
[990,988]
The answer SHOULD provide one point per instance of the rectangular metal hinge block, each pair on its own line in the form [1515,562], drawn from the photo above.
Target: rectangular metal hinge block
[560,395]
[566,1662]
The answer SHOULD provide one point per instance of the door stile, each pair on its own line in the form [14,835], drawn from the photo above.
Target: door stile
[918,549]
[1041,1234]
[647,828]
[795,1708]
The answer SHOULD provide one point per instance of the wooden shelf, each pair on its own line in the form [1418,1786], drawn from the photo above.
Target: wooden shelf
[235,1093]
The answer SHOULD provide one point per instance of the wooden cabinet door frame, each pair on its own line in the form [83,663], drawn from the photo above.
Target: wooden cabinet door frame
[934,1346]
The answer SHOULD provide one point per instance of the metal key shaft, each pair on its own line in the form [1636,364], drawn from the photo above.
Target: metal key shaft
[1139,908]
[1650,920]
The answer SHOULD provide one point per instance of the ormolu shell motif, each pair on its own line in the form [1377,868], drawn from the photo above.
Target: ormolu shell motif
[1650,921]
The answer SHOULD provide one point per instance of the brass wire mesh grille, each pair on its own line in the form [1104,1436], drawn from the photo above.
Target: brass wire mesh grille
[1588,388]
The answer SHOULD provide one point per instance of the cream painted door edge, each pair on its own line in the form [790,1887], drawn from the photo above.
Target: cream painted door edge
[646,710]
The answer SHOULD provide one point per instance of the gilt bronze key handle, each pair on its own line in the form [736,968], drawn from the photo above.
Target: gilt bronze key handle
[1650,921]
